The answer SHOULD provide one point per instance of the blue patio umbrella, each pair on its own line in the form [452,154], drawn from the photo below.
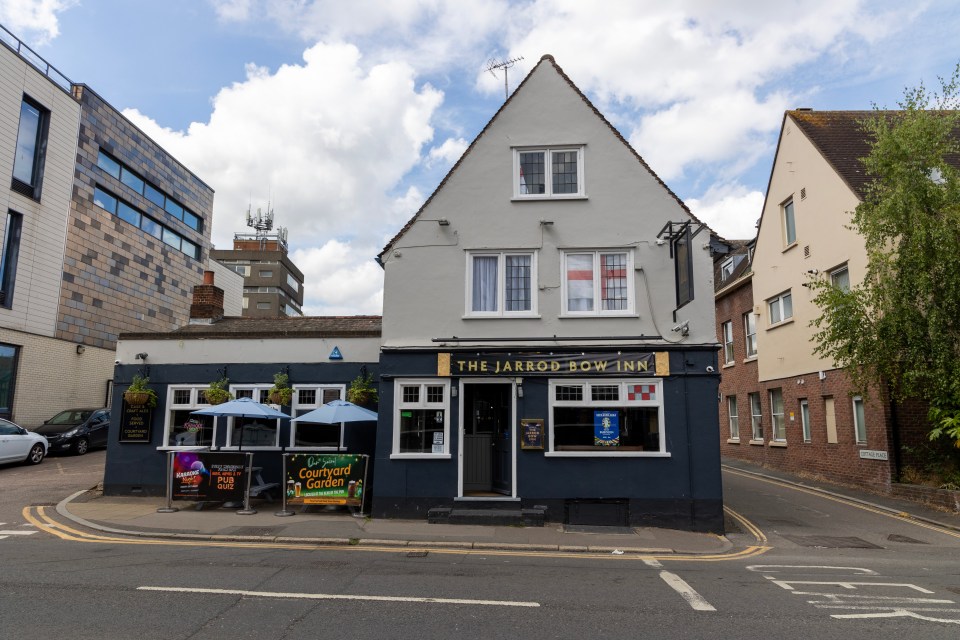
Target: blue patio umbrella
[242,408]
[337,411]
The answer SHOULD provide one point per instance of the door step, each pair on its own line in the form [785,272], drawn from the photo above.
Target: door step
[497,517]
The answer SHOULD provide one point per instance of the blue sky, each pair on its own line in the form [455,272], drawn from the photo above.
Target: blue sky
[346,115]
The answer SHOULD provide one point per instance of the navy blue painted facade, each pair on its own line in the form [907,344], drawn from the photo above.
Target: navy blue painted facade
[682,490]
[139,468]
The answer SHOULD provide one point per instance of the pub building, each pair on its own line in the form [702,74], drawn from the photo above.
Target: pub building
[548,339]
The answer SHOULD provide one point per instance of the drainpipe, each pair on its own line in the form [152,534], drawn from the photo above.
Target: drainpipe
[895,432]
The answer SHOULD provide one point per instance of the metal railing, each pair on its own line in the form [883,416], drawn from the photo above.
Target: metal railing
[34,59]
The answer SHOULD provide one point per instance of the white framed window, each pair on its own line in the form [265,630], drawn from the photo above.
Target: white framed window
[548,172]
[840,278]
[859,420]
[501,284]
[726,269]
[781,308]
[315,436]
[292,283]
[180,428]
[750,333]
[246,302]
[789,223]
[606,417]
[733,417]
[252,433]
[598,283]
[727,328]
[776,415]
[243,270]
[805,419]
[421,418]
[756,416]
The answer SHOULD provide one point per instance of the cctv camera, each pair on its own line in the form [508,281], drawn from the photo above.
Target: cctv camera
[116,362]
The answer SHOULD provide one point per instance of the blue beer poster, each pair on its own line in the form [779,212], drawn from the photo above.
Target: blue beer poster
[606,428]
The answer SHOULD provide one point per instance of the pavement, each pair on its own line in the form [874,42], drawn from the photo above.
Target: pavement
[331,526]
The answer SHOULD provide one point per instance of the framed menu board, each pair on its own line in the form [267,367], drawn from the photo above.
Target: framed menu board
[135,422]
[531,433]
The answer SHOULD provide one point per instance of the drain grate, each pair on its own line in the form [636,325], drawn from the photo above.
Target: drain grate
[894,537]
[417,554]
[832,542]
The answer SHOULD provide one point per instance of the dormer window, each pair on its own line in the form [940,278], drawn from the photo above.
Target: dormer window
[555,172]
[726,269]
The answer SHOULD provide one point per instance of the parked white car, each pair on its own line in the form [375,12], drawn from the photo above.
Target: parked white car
[19,445]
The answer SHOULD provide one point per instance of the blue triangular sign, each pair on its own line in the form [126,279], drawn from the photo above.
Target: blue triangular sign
[335,354]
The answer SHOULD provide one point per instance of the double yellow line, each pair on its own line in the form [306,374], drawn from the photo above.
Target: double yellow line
[38,517]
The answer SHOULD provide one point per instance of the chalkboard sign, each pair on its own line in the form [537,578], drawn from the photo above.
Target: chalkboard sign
[135,422]
[531,433]
[210,476]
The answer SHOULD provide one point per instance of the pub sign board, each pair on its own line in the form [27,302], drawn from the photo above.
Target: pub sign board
[210,476]
[328,478]
[527,364]
[531,433]
[135,423]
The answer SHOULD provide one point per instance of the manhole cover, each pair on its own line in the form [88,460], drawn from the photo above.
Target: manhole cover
[417,554]
[832,542]
[893,537]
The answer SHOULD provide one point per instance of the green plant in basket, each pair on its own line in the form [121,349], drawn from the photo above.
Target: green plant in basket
[139,394]
[280,392]
[217,392]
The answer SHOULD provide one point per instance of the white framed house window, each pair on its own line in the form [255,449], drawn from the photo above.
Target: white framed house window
[789,223]
[421,418]
[859,420]
[180,428]
[315,436]
[548,172]
[501,284]
[727,328]
[733,417]
[780,308]
[252,433]
[840,278]
[756,416]
[598,283]
[750,333]
[805,419]
[606,418]
[776,416]
[726,269]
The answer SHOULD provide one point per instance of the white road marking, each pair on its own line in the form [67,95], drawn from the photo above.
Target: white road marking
[16,533]
[899,613]
[850,585]
[694,599]
[333,596]
[851,597]
[770,568]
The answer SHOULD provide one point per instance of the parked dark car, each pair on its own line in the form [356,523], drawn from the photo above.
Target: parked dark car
[76,430]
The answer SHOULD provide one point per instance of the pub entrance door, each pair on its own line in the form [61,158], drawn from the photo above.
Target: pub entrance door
[487,433]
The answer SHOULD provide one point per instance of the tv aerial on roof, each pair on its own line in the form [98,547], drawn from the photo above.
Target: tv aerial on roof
[493,64]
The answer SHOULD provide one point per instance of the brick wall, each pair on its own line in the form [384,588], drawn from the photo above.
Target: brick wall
[116,277]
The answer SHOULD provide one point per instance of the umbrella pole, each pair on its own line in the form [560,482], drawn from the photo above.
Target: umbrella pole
[247,511]
[169,508]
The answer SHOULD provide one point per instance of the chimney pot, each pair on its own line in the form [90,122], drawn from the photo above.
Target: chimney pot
[208,277]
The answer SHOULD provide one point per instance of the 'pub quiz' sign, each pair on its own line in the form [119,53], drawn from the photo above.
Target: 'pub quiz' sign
[629,363]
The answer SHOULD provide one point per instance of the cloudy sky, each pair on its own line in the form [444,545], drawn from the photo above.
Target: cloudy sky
[344,116]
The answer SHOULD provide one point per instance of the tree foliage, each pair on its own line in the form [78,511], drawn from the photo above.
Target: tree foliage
[901,325]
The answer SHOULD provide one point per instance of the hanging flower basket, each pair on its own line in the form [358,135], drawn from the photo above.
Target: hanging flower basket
[280,393]
[136,398]
[139,394]
[217,392]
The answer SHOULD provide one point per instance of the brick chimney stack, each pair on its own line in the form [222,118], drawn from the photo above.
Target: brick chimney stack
[207,306]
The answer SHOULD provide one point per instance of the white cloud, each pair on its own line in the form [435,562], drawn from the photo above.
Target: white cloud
[325,142]
[35,20]
[448,152]
[731,210]
[233,10]
[336,283]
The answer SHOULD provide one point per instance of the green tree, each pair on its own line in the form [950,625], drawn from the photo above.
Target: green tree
[900,326]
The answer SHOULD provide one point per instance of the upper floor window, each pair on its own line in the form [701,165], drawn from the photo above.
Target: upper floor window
[781,308]
[727,342]
[127,213]
[726,269]
[789,223]
[501,284]
[8,260]
[734,417]
[548,172]
[859,420]
[840,278]
[31,148]
[683,266]
[292,283]
[598,283]
[750,333]
[264,273]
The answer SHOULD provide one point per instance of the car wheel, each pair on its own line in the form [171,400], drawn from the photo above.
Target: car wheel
[81,446]
[36,454]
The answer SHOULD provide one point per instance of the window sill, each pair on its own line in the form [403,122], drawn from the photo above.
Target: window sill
[757,443]
[790,246]
[605,454]
[541,198]
[750,359]
[594,316]
[419,456]
[733,440]
[320,449]
[778,443]
[780,324]
[172,447]
[251,448]
[727,365]
[512,316]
